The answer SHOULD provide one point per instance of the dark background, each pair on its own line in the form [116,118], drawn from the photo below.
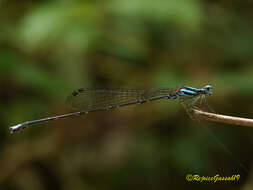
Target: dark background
[50,48]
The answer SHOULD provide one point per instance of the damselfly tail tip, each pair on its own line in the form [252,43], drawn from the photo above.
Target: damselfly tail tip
[15,128]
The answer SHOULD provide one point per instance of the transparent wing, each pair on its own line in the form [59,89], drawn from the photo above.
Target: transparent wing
[88,99]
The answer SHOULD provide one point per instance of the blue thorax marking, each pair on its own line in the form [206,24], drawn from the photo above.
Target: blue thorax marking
[189,91]
[185,92]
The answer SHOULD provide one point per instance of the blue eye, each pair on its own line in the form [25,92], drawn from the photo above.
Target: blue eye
[208,89]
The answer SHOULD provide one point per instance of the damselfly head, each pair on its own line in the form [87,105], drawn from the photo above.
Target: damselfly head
[208,89]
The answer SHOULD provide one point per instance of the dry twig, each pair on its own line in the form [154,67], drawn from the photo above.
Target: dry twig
[223,118]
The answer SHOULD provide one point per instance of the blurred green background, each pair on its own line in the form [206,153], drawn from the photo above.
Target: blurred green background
[50,48]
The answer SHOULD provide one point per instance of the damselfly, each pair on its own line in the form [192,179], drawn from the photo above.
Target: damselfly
[84,100]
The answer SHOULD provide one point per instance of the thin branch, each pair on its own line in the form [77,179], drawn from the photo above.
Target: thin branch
[223,118]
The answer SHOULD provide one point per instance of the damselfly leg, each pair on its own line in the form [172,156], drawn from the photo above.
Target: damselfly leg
[200,102]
